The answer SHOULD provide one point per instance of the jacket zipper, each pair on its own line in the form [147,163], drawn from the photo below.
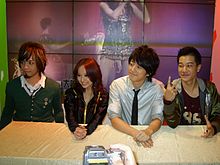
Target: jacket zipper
[85,111]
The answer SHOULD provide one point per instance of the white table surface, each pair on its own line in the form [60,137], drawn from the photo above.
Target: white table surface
[24,143]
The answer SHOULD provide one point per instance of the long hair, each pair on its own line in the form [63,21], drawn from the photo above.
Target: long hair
[35,50]
[93,72]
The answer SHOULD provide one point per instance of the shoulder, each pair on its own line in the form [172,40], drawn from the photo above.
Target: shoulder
[70,94]
[14,82]
[157,81]
[120,85]
[52,83]
[104,93]
[208,84]
[122,81]
[154,86]
[69,91]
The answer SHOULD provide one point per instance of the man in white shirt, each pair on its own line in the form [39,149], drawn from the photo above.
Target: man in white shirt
[143,64]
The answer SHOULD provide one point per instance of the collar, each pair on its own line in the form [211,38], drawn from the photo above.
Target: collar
[40,83]
[32,90]
[201,84]
[143,86]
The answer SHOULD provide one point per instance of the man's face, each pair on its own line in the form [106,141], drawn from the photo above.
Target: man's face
[188,68]
[29,68]
[136,73]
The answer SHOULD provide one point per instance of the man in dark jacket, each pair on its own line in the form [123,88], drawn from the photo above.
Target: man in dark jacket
[32,96]
[190,100]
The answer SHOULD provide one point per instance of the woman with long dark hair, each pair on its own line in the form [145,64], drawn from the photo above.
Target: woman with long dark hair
[86,101]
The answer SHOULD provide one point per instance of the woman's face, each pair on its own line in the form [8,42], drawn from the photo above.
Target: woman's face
[83,78]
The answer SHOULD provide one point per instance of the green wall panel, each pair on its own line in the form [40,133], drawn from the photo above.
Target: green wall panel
[3,54]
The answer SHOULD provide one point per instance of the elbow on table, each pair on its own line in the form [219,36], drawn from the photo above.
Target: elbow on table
[172,125]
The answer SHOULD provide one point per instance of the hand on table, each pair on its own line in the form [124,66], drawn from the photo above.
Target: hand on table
[144,139]
[80,132]
[209,131]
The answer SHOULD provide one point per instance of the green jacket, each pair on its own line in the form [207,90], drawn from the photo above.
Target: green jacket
[45,106]
[173,111]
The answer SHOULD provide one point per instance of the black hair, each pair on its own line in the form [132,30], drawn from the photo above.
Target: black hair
[188,50]
[45,22]
[147,58]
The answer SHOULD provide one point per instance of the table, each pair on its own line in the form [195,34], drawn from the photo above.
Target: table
[35,143]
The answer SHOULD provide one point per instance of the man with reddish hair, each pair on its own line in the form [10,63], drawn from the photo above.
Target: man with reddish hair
[32,96]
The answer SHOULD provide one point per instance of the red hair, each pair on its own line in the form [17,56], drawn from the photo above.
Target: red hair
[93,72]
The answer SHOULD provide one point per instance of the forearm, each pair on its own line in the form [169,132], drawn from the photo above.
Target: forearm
[169,108]
[7,114]
[97,119]
[172,115]
[58,112]
[117,12]
[215,110]
[70,117]
[143,14]
[112,13]
[5,120]
[57,107]
[153,127]
[59,117]
[146,15]
[216,123]
[124,127]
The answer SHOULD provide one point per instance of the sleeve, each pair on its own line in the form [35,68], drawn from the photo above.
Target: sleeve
[57,106]
[8,110]
[172,113]
[69,110]
[158,105]
[114,106]
[100,113]
[215,108]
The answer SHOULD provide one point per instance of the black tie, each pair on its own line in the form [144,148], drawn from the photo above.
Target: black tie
[134,116]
